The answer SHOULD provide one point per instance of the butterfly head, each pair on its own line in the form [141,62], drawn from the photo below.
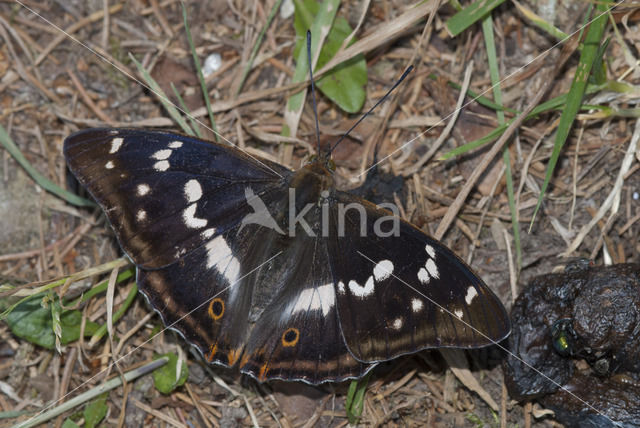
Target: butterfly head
[322,159]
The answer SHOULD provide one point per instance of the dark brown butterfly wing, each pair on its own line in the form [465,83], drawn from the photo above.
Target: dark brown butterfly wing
[400,294]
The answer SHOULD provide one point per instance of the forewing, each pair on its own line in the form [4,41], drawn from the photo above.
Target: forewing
[207,295]
[400,294]
[167,194]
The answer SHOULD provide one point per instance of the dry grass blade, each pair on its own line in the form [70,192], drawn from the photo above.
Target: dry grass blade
[612,202]
[380,35]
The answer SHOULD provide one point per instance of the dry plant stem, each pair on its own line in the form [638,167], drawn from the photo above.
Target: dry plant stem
[87,99]
[497,147]
[22,70]
[126,389]
[96,16]
[613,199]
[574,177]
[252,414]
[485,211]
[158,414]
[26,290]
[196,404]
[132,331]
[92,393]
[458,364]
[379,36]
[365,7]
[513,279]
[503,406]
[447,130]
[313,420]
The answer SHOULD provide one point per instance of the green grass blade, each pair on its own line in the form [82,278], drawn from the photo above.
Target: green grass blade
[354,403]
[555,103]
[157,90]
[319,29]
[256,47]
[196,62]
[471,14]
[494,72]
[42,181]
[183,106]
[588,56]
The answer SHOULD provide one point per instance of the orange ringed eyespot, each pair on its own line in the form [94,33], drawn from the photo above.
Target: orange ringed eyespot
[216,308]
[290,337]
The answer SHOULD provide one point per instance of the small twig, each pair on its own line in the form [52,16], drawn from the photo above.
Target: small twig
[513,278]
[196,404]
[96,16]
[92,393]
[87,99]
[613,199]
[106,22]
[445,133]
[157,12]
[497,147]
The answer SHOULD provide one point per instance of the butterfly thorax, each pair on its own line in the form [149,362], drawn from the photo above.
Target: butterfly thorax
[312,183]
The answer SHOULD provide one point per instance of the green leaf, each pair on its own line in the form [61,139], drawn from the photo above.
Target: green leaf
[165,378]
[31,320]
[345,84]
[355,399]
[68,423]
[95,411]
[471,14]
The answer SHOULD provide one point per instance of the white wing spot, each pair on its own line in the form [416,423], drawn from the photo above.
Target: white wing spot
[397,323]
[423,276]
[209,232]
[161,166]
[361,291]
[161,154]
[217,252]
[175,144]
[115,144]
[382,270]
[416,305]
[141,215]
[192,190]
[190,219]
[432,268]
[471,294]
[142,189]
[109,165]
[321,298]
[458,313]
[431,251]
[341,287]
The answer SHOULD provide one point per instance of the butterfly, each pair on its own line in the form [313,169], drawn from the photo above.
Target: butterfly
[276,271]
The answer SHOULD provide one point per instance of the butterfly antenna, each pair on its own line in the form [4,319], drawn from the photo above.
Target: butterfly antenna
[313,90]
[395,85]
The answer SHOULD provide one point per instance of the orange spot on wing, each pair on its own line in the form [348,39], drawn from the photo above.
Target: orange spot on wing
[244,360]
[216,308]
[290,337]
[262,376]
[233,355]
[212,352]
